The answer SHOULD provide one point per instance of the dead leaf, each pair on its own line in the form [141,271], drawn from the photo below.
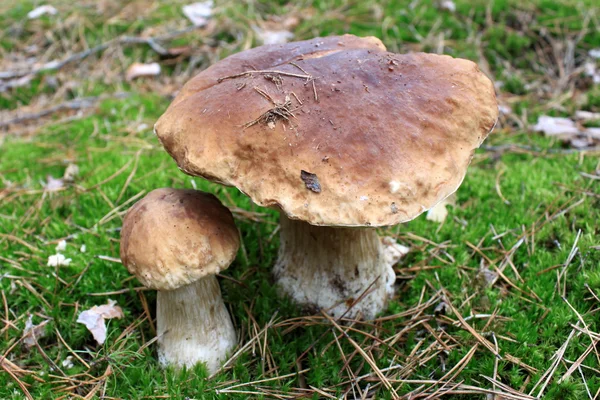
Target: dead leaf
[486,275]
[580,143]
[586,115]
[94,318]
[32,332]
[593,133]
[71,173]
[137,70]
[439,212]
[42,10]
[555,126]
[567,130]
[591,71]
[53,184]
[198,13]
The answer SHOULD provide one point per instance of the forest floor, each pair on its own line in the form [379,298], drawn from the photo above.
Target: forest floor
[513,270]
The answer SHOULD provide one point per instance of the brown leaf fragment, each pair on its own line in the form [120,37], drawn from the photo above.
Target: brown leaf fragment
[311,181]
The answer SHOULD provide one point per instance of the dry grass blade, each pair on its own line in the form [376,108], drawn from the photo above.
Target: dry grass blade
[248,344]
[486,343]
[547,376]
[450,375]
[366,357]
[277,378]
[263,72]
[12,370]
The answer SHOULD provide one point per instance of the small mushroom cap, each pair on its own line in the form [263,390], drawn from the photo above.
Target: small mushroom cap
[173,237]
[359,137]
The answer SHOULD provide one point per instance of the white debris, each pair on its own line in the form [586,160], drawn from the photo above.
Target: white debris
[61,246]
[82,249]
[580,143]
[554,126]
[58,260]
[586,115]
[594,53]
[591,71]
[439,212]
[392,250]
[137,70]
[267,36]
[52,184]
[504,109]
[71,173]
[41,10]
[94,318]
[32,332]
[448,5]
[593,133]
[68,362]
[487,275]
[198,13]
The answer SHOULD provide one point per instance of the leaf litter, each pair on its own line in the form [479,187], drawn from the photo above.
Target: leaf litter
[568,130]
[94,319]
[33,332]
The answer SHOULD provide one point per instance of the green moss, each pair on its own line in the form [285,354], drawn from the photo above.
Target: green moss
[535,187]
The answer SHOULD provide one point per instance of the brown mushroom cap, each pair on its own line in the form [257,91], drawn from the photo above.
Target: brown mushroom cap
[386,136]
[173,237]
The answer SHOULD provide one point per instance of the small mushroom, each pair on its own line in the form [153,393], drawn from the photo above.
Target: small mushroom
[352,137]
[176,241]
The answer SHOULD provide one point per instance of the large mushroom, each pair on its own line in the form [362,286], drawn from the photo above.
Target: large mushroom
[341,137]
[176,241]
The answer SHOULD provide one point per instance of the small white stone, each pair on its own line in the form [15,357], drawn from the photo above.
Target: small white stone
[82,248]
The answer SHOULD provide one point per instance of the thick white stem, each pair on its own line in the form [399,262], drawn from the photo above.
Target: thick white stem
[194,325]
[331,268]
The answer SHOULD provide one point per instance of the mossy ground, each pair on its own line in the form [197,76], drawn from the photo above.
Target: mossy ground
[530,208]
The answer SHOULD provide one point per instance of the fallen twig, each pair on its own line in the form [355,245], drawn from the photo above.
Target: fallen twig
[123,40]
[76,104]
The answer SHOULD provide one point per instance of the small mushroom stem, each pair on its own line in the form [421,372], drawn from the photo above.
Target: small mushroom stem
[332,268]
[194,325]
